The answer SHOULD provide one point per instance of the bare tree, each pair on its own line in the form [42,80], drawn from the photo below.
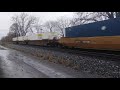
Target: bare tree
[78,18]
[110,15]
[86,17]
[14,29]
[8,37]
[39,27]
[50,25]
[62,23]
[117,14]
[24,23]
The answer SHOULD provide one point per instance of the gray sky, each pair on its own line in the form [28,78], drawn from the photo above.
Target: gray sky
[5,18]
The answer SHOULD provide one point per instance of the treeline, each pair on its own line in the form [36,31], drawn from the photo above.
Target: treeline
[23,24]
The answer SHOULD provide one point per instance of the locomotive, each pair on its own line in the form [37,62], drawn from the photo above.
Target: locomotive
[101,35]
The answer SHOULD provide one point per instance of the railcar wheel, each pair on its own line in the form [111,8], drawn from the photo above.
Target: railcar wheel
[26,43]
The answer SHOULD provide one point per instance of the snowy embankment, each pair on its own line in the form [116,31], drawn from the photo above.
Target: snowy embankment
[83,63]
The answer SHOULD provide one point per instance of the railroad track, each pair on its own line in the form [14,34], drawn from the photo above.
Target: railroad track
[87,52]
[96,53]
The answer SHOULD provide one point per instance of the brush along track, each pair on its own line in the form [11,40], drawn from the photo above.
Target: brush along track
[103,54]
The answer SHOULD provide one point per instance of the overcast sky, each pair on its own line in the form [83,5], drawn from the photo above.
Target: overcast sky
[5,18]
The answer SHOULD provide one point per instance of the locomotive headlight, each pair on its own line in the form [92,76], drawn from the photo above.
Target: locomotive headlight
[103,28]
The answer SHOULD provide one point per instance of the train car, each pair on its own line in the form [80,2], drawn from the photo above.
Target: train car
[42,39]
[102,35]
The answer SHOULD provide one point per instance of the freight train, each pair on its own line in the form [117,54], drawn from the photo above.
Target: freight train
[101,35]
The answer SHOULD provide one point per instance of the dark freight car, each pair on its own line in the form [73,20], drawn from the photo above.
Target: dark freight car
[109,27]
